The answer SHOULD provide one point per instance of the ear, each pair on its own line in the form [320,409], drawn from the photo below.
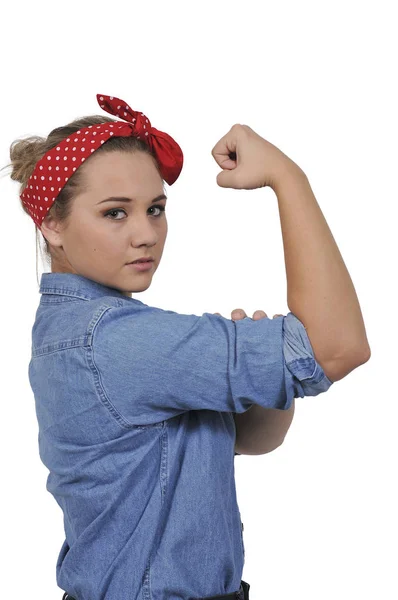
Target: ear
[51,230]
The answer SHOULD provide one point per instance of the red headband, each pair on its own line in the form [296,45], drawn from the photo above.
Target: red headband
[55,168]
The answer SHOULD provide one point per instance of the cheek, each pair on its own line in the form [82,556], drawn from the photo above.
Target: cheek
[107,244]
[97,239]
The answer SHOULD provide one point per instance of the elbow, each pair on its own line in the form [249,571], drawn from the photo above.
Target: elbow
[340,367]
[367,354]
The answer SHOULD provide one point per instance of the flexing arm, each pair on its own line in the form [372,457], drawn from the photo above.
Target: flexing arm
[319,288]
[321,295]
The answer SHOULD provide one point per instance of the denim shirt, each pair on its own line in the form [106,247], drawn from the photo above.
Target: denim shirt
[135,408]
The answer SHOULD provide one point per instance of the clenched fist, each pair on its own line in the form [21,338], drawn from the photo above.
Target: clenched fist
[249,161]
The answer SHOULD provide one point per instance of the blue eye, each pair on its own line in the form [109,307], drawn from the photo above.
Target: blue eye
[116,210]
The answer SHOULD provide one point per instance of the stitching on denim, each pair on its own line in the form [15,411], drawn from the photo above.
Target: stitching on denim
[57,346]
[97,375]
[65,291]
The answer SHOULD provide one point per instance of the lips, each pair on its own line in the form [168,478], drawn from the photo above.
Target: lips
[142,260]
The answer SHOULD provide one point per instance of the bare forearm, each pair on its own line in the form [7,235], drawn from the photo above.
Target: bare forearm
[261,430]
[319,288]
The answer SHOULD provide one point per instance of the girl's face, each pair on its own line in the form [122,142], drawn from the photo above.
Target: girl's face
[104,235]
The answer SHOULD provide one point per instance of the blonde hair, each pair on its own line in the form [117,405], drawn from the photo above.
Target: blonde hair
[26,152]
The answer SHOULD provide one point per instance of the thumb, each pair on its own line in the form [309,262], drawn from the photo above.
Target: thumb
[228,178]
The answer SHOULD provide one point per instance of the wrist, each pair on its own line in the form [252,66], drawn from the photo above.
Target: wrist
[289,174]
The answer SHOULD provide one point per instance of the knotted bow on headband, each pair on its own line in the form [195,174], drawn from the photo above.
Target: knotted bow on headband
[55,168]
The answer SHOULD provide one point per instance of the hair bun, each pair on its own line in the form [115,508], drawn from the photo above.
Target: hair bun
[24,154]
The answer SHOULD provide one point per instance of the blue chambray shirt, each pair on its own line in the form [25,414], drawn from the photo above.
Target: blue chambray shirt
[135,410]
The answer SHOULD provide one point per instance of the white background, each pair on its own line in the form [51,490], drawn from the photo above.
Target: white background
[317,80]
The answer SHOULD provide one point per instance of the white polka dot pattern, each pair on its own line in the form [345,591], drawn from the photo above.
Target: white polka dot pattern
[60,163]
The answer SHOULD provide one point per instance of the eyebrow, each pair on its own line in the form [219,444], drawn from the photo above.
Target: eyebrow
[124,199]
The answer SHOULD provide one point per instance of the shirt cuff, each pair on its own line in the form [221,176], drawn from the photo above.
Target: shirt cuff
[305,377]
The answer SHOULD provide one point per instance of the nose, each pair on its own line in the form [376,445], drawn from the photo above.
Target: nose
[143,228]
[143,232]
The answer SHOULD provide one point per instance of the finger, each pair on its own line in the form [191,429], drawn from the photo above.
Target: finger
[218,314]
[277,316]
[259,314]
[224,152]
[238,314]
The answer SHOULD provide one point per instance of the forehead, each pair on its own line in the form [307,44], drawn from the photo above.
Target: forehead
[123,172]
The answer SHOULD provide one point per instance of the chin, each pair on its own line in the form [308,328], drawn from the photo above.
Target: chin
[137,290]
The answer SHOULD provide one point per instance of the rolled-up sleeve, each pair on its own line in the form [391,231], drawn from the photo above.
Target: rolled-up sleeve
[152,364]
[303,375]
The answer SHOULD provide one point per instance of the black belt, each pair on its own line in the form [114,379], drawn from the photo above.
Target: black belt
[241,594]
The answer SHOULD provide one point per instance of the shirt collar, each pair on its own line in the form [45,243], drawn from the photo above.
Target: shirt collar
[78,286]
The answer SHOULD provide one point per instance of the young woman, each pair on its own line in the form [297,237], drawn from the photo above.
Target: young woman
[142,410]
